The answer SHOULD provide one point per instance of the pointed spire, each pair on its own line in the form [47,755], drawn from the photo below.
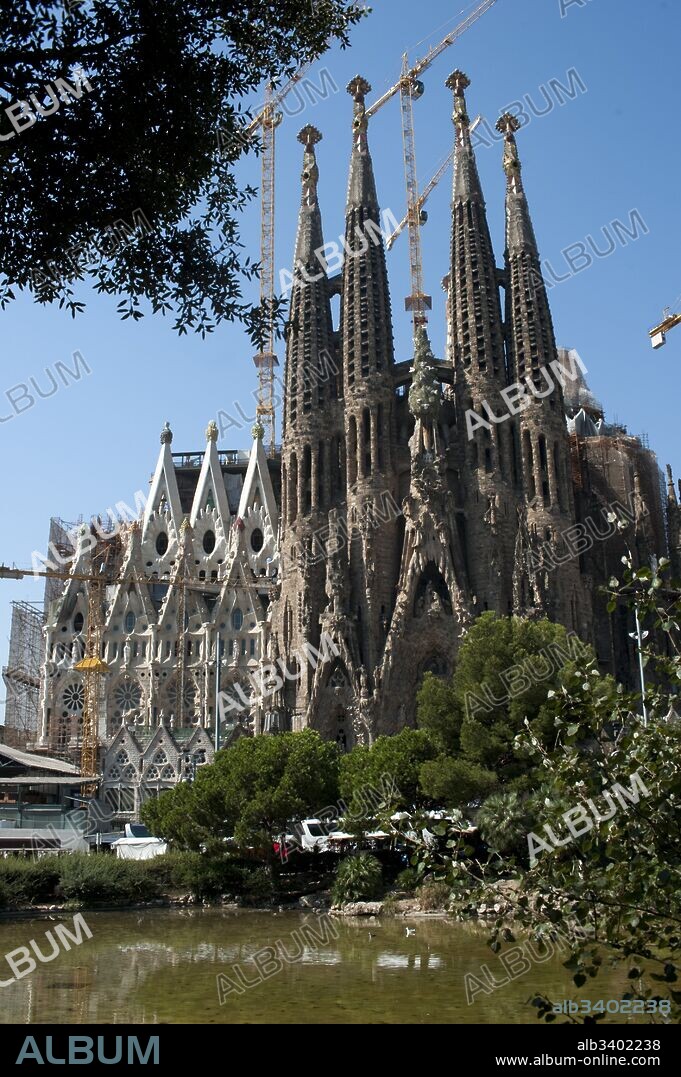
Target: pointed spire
[519,228]
[474,309]
[309,238]
[531,339]
[310,339]
[466,179]
[210,493]
[671,492]
[164,495]
[361,183]
[366,322]
[257,487]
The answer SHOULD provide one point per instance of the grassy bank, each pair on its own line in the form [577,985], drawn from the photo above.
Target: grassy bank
[91,879]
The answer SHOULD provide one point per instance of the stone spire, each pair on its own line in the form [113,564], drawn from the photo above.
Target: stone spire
[310,383]
[368,364]
[530,336]
[361,182]
[366,313]
[474,309]
[309,238]
[313,441]
[674,525]
[475,335]
[542,445]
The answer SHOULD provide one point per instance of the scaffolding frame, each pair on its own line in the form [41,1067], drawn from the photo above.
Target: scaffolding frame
[22,674]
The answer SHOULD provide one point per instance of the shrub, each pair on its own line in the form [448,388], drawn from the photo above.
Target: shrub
[258,886]
[407,880]
[504,821]
[25,882]
[88,877]
[359,878]
[205,876]
[433,895]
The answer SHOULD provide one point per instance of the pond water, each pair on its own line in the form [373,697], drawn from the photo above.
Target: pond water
[162,966]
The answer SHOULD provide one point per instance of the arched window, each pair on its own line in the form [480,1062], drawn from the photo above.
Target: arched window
[78,622]
[293,489]
[352,450]
[237,619]
[528,456]
[257,540]
[366,439]
[130,621]
[209,541]
[161,543]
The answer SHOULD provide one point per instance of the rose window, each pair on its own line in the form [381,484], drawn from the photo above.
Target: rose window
[127,696]
[73,698]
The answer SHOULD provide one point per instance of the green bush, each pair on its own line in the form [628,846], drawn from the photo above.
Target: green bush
[28,882]
[433,895]
[258,886]
[504,821]
[88,877]
[407,880]
[359,878]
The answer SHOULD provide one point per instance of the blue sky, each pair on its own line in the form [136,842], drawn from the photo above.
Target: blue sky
[593,160]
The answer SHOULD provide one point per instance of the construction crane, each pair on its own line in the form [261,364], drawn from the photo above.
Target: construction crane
[268,119]
[413,73]
[426,192]
[658,335]
[92,665]
[410,88]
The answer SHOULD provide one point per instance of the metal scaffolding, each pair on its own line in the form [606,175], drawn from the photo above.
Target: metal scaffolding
[22,673]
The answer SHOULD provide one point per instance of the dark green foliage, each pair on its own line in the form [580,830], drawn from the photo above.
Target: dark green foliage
[160,131]
[407,879]
[359,878]
[89,879]
[455,782]
[477,716]
[92,878]
[504,821]
[258,886]
[26,882]
[196,873]
[391,765]
[250,791]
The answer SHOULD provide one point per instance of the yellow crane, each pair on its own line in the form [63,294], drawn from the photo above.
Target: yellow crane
[268,119]
[410,88]
[658,335]
[92,665]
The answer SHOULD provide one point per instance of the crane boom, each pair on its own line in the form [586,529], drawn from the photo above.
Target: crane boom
[413,73]
[268,119]
[418,302]
[427,190]
[658,334]
[275,99]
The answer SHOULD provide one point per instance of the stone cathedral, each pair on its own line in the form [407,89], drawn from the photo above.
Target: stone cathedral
[409,496]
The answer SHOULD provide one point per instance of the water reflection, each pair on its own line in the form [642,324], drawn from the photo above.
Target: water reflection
[161,966]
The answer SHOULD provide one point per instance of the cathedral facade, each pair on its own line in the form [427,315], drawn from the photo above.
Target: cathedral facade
[408,498]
